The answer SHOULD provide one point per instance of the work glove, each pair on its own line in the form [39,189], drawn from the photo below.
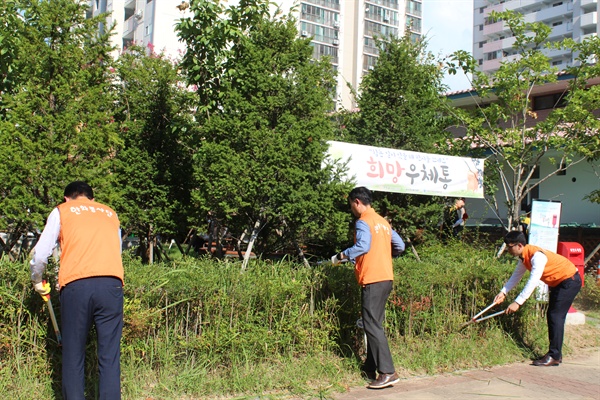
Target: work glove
[43,288]
[465,217]
[336,259]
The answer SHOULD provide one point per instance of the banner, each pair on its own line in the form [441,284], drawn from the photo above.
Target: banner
[399,171]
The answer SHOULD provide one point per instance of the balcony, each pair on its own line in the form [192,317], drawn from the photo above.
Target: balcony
[495,29]
[129,28]
[588,20]
[499,45]
[331,4]
[130,5]
[589,5]
[550,13]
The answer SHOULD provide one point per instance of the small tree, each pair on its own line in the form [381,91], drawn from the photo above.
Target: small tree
[154,168]
[259,157]
[504,123]
[401,106]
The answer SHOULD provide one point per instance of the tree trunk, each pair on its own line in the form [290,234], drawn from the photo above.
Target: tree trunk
[251,243]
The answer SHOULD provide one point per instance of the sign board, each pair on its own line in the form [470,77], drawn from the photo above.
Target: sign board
[390,170]
[545,221]
[543,232]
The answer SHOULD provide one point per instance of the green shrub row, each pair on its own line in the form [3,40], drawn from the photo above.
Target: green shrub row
[210,319]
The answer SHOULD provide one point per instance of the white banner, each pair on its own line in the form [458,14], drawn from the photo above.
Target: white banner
[399,171]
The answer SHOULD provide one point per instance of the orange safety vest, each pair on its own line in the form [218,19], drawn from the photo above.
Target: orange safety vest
[557,269]
[89,241]
[376,264]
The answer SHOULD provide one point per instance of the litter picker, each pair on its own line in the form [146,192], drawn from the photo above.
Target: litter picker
[476,318]
[46,298]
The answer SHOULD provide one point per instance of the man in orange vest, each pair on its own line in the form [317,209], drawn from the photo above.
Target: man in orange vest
[91,286]
[558,273]
[374,244]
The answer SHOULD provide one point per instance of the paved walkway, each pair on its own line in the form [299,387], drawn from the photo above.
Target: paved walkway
[576,378]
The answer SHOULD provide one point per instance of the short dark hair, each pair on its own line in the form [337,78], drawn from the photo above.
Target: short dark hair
[515,237]
[361,193]
[460,198]
[79,188]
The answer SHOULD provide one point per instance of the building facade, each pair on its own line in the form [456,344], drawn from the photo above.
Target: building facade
[342,30]
[345,32]
[147,23]
[492,41]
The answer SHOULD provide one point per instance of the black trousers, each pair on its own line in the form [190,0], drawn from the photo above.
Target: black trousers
[561,298]
[85,302]
[374,298]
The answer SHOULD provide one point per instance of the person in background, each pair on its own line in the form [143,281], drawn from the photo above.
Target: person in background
[91,286]
[454,218]
[374,244]
[558,273]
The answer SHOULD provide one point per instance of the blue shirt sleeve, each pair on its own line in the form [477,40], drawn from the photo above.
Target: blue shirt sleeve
[398,245]
[363,241]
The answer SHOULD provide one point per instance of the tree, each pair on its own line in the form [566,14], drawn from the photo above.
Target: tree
[56,118]
[9,24]
[153,170]
[401,106]
[259,158]
[504,123]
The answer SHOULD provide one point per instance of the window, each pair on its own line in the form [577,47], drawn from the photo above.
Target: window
[534,194]
[481,10]
[549,101]
[480,27]
[562,169]
[557,23]
[480,61]
[536,172]
[557,4]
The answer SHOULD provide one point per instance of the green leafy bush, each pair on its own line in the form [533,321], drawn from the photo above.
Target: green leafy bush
[201,327]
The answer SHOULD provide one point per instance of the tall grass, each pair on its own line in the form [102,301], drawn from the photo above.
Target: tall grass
[200,328]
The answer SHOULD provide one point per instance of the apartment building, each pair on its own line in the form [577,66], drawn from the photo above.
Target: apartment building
[148,23]
[345,32]
[341,30]
[492,41]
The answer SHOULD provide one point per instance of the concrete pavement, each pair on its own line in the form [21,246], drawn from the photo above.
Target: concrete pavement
[578,377]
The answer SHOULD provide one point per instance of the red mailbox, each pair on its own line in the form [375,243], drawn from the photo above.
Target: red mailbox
[573,251]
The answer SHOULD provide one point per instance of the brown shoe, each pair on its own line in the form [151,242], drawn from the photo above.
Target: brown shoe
[546,355]
[546,361]
[384,380]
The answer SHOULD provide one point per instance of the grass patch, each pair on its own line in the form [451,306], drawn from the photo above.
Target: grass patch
[202,329]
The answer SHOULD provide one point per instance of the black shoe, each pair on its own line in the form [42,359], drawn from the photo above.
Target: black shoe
[384,380]
[546,361]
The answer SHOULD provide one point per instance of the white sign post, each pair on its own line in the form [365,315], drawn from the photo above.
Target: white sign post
[543,232]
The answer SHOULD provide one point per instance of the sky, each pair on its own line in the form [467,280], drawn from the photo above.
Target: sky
[448,26]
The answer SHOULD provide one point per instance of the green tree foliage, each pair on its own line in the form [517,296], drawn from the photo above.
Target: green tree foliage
[258,162]
[212,37]
[504,123]
[9,24]
[56,118]
[154,167]
[400,106]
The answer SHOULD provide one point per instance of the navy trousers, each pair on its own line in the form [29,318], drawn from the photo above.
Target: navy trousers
[374,298]
[559,302]
[84,302]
